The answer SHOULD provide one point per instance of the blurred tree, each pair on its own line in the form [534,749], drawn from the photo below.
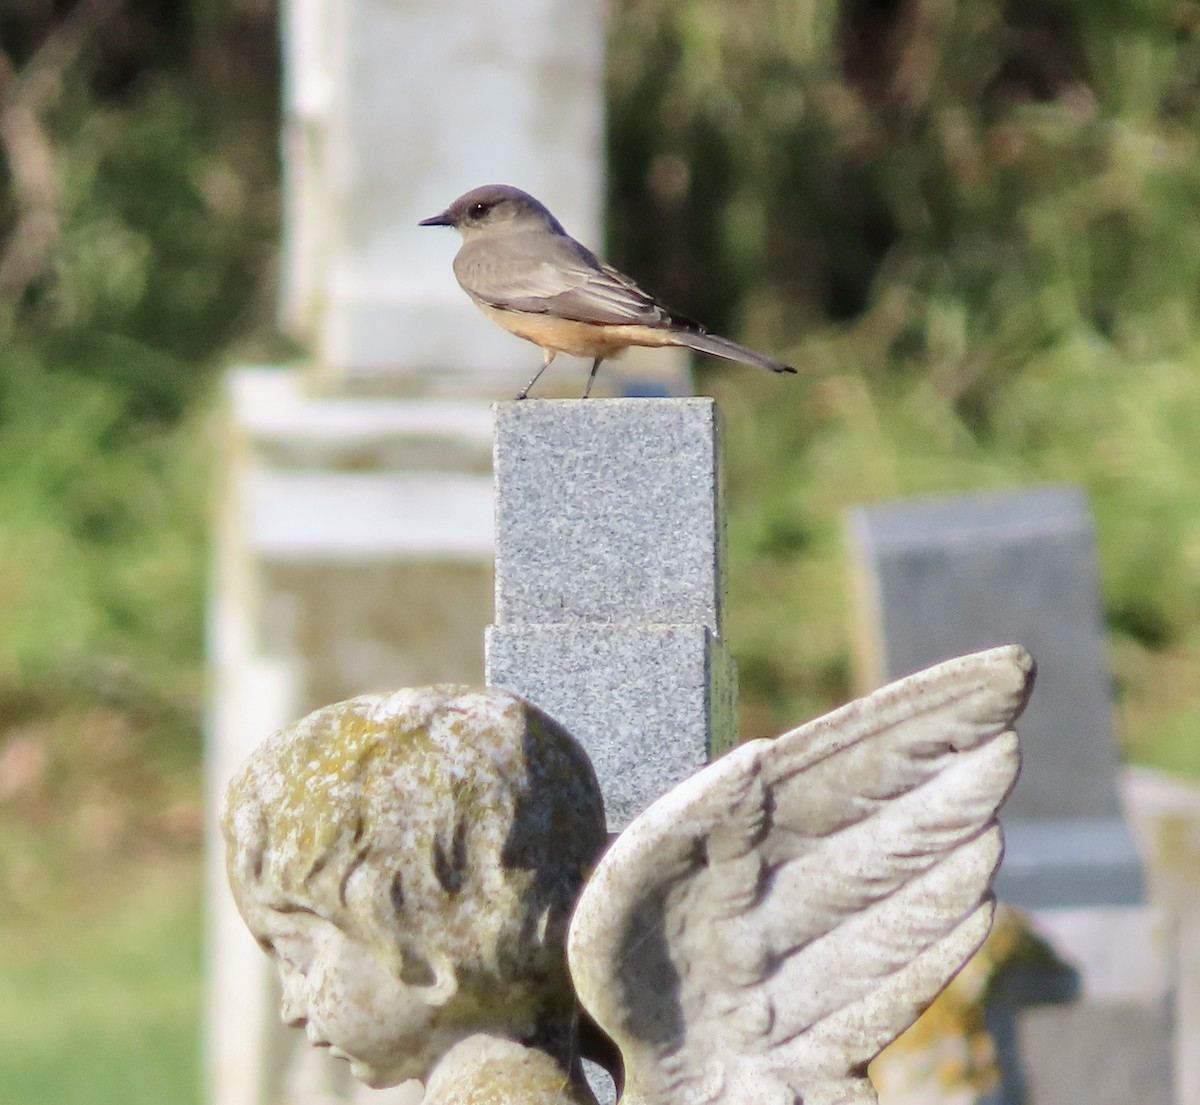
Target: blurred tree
[140,163]
[137,234]
[975,223]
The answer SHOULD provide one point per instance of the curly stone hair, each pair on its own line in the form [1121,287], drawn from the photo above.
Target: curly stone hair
[440,825]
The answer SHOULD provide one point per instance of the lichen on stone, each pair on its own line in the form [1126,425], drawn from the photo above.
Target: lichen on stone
[437,824]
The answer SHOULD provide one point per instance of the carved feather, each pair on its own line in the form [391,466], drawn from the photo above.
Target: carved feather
[759,934]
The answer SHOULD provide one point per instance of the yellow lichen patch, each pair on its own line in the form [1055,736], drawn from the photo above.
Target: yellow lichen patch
[323,782]
[530,1077]
[947,1056]
[444,829]
[310,783]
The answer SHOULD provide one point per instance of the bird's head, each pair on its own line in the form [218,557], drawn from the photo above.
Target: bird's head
[494,207]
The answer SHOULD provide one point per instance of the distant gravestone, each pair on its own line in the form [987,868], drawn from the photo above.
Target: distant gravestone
[390,111]
[937,577]
[940,577]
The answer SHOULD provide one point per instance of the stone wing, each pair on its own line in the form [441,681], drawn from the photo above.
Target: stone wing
[759,934]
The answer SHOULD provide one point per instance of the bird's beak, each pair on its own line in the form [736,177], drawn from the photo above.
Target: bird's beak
[437,220]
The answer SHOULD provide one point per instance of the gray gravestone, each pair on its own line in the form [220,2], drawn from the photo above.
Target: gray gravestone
[1091,1020]
[610,584]
[941,577]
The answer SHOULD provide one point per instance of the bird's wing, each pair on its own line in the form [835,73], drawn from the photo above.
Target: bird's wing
[544,273]
[759,934]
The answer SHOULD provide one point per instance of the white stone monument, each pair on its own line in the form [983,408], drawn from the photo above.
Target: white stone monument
[354,543]
[392,110]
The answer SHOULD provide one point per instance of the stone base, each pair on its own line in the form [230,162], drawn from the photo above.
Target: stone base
[638,698]
[1091,1020]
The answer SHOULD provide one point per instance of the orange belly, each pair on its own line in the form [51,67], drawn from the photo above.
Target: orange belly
[579,339]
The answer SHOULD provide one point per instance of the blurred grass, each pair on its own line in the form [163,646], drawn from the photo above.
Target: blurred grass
[975,225]
[100,999]
[162,142]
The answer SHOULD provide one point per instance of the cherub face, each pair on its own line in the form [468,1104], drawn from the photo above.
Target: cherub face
[409,860]
[349,999]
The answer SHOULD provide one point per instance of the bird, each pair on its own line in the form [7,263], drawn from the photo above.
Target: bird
[526,273]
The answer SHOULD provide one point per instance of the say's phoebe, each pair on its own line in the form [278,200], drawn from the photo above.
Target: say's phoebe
[525,272]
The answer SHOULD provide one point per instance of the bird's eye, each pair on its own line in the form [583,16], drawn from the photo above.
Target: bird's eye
[478,210]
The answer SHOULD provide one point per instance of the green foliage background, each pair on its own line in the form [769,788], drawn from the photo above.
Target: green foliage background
[974,224]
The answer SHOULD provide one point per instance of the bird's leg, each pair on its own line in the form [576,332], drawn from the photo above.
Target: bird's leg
[547,357]
[592,376]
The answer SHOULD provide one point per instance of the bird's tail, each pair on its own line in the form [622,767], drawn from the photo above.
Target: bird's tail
[730,350]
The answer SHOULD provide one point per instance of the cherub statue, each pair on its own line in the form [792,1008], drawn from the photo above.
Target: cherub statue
[415,863]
